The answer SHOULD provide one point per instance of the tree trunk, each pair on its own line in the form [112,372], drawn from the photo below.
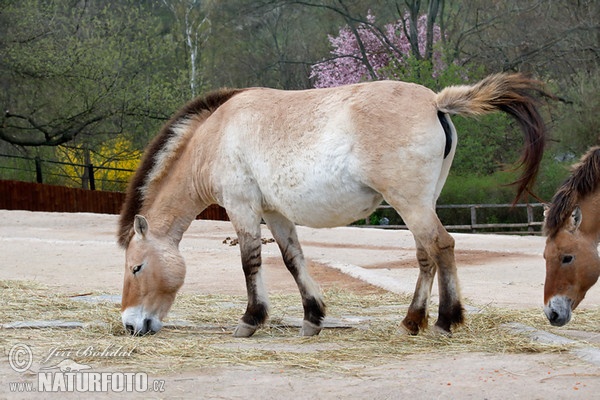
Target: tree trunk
[432,12]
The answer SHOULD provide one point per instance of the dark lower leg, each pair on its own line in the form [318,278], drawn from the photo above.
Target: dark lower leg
[417,316]
[451,312]
[312,302]
[257,308]
[284,232]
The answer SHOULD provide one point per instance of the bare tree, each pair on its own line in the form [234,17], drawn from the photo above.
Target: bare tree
[77,68]
[553,38]
[409,15]
[195,28]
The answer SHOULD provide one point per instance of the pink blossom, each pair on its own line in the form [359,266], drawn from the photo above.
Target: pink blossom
[346,64]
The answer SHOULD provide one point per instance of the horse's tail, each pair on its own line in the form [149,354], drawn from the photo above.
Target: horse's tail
[513,94]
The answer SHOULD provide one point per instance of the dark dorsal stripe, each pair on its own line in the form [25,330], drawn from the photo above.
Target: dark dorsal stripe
[134,197]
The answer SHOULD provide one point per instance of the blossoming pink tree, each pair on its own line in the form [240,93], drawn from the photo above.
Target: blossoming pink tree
[368,53]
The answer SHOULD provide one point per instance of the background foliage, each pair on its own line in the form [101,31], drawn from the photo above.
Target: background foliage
[95,80]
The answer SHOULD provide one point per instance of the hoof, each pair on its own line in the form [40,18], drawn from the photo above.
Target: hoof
[404,331]
[441,331]
[309,329]
[244,330]
[411,328]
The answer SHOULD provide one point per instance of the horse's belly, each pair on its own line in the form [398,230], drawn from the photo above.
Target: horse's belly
[328,218]
[326,205]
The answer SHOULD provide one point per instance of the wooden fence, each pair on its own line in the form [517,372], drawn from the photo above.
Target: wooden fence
[16,195]
[531,223]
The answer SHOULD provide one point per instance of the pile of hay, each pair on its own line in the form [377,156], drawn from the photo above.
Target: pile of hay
[211,318]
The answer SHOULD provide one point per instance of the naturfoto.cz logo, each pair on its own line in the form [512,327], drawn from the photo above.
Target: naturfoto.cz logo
[68,375]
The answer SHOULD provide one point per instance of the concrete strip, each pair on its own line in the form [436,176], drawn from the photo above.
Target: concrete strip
[589,354]
[328,323]
[103,298]
[369,276]
[41,324]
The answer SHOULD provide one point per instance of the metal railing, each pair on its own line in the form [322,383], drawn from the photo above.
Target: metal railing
[35,169]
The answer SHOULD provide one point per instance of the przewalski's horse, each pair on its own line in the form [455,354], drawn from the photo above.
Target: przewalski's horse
[321,158]
[572,223]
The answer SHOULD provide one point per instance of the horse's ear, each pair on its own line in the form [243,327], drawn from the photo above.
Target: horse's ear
[575,219]
[140,226]
[546,210]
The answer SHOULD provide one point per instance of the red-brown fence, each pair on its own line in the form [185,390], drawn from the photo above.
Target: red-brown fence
[16,195]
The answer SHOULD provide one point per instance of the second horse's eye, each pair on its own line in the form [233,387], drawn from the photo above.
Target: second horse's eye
[567,259]
[136,269]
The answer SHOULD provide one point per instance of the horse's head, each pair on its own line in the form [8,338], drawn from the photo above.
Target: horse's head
[154,272]
[572,267]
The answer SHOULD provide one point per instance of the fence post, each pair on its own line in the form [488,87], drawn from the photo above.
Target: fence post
[90,168]
[38,170]
[530,219]
[473,218]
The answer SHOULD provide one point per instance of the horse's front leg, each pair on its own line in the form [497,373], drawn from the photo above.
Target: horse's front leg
[284,232]
[258,305]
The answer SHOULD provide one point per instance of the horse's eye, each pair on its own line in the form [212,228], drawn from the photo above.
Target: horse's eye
[136,269]
[567,259]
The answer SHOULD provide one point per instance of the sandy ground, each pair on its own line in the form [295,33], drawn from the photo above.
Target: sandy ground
[76,253]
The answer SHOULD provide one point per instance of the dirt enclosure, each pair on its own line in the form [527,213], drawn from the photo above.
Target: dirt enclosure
[368,275]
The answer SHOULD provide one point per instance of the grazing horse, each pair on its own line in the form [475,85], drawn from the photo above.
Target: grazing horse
[321,158]
[572,223]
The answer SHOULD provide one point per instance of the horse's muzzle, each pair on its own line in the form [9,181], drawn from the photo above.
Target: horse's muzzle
[138,323]
[558,310]
[145,330]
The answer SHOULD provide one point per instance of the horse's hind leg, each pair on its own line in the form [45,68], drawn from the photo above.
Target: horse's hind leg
[247,226]
[435,247]
[284,232]
[450,312]
[417,315]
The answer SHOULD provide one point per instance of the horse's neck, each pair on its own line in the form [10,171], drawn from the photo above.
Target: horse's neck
[174,205]
[590,210]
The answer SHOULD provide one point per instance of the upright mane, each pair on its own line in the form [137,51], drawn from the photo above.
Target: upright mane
[162,151]
[584,180]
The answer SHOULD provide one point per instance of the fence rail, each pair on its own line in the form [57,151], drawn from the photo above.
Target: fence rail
[531,225]
[36,169]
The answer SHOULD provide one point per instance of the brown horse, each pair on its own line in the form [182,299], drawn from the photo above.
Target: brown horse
[321,158]
[572,223]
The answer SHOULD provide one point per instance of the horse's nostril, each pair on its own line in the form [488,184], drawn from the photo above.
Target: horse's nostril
[553,316]
[148,327]
[130,329]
